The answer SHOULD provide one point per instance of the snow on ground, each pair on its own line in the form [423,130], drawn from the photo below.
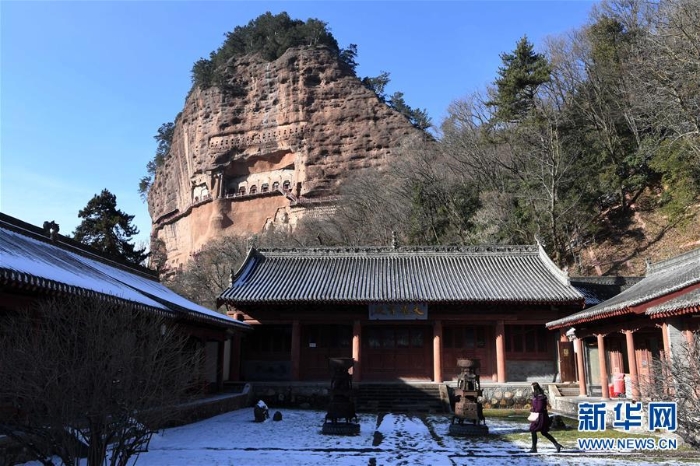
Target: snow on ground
[392,439]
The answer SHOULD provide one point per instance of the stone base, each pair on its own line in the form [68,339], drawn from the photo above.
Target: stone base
[468,430]
[340,428]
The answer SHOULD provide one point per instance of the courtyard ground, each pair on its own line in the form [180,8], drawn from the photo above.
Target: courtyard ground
[392,439]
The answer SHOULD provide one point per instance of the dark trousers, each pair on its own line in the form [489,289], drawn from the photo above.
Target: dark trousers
[545,434]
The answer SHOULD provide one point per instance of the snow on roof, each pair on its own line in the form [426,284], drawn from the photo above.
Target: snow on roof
[28,259]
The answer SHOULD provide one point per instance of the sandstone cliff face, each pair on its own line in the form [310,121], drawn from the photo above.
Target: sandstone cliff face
[268,152]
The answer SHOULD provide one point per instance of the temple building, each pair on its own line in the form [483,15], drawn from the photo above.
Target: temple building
[617,340]
[39,264]
[403,314]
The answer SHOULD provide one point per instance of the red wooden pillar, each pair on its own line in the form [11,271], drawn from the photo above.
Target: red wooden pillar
[580,367]
[437,351]
[500,351]
[356,345]
[603,367]
[296,351]
[632,363]
[665,376]
[667,341]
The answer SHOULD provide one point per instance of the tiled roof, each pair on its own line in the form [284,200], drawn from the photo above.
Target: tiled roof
[688,302]
[599,289]
[521,274]
[30,261]
[662,278]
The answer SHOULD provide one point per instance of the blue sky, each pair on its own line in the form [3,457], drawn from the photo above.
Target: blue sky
[85,85]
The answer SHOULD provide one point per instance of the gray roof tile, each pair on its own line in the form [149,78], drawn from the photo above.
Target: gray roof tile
[688,301]
[598,289]
[662,278]
[419,274]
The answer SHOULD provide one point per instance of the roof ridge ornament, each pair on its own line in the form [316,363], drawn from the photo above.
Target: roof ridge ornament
[539,241]
[406,250]
[686,259]
[51,230]
[251,242]
[562,275]
[374,275]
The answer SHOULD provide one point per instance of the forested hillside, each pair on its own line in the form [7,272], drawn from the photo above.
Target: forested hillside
[590,143]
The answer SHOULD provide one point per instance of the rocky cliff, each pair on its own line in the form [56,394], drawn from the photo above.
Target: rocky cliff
[271,147]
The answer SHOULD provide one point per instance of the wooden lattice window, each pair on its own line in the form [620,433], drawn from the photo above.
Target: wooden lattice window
[527,339]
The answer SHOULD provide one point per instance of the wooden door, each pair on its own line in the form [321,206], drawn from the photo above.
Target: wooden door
[466,341]
[567,361]
[394,352]
[319,343]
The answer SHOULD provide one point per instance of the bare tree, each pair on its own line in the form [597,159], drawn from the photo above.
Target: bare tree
[527,171]
[677,378]
[208,272]
[91,378]
[466,145]
[664,64]
[372,206]
[473,154]
[419,199]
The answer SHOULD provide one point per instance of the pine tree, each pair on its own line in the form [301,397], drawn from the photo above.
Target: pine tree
[108,229]
[418,118]
[165,139]
[523,71]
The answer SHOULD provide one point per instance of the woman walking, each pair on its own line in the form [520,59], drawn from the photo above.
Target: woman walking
[539,418]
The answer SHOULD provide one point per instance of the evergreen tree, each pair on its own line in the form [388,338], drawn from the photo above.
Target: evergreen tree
[269,36]
[523,71]
[108,229]
[349,57]
[418,118]
[620,142]
[165,139]
[377,84]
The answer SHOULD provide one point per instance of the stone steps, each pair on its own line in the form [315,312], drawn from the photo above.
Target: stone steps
[568,389]
[399,398]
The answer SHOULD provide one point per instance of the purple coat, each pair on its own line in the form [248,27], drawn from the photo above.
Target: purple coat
[539,405]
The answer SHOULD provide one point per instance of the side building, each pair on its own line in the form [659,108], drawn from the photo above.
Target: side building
[38,264]
[403,313]
[618,339]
